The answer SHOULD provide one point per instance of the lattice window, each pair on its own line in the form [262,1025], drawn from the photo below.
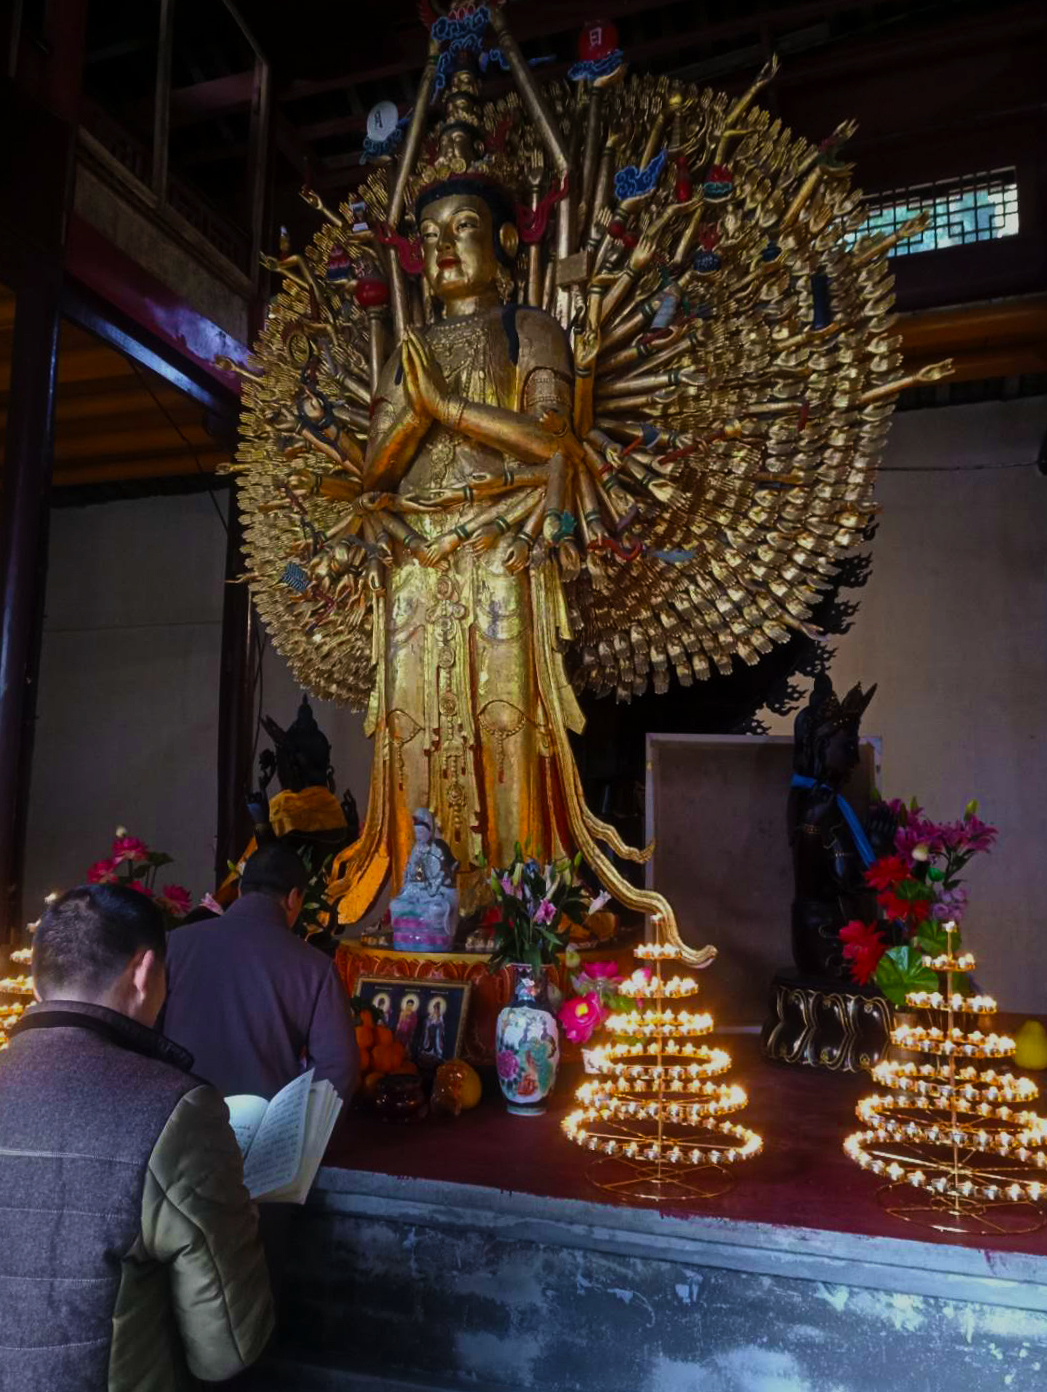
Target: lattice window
[973,208]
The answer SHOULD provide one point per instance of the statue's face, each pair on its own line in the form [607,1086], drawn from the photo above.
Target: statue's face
[458,246]
[841,751]
[456,145]
[421,832]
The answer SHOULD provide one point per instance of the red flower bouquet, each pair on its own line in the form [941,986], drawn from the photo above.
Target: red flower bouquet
[133,864]
[918,889]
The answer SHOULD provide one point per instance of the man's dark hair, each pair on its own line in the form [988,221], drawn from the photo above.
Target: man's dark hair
[274,869]
[88,936]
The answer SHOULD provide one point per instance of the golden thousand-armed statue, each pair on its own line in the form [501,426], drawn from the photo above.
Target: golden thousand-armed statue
[626,423]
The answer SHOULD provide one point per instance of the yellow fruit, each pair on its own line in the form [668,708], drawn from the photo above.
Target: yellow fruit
[457,1087]
[1031,1042]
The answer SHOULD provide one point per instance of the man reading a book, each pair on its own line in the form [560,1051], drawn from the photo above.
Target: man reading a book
[255,1005]
[129,1249]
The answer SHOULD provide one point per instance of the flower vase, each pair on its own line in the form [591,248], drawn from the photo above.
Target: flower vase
[527,1046]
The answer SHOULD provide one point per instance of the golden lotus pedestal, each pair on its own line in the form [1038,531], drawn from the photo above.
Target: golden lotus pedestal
[490,991]
[825,1024]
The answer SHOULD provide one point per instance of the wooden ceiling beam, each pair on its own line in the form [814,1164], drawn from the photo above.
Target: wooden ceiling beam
[214,98]
[406,47]
[221,152]
[91,365]
[172,466]
[1023,360]
[82,414]
[965,328]
[131,444]
[1001,338]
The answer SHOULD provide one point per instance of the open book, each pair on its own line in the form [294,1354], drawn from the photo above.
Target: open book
[283,1141]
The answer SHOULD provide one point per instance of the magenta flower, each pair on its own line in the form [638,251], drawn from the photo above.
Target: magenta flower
[581,1016]
[921,835]
[102,872]
[175,900]
[972,834]
[508,1066]
[514,891]
[545,912]
[604,969]
[141,888]
[129,848]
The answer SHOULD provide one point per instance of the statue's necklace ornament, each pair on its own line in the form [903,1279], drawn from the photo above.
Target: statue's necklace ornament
[647,463]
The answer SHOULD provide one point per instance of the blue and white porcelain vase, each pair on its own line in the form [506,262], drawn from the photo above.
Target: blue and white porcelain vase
[527,1046]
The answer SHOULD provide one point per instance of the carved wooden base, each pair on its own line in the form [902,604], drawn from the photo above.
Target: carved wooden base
[826,1024]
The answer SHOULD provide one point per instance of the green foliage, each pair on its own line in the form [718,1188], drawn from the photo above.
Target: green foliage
[901,970]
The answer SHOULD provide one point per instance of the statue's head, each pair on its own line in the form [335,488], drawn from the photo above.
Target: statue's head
[468,232]
[826,732]
[424,825]
[459,140]
[303,751]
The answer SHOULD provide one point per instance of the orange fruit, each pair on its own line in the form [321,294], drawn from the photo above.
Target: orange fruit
[383,1034]
[365,1060]
[404,1068]
[370,1084]
[366,1018]
[364,1036]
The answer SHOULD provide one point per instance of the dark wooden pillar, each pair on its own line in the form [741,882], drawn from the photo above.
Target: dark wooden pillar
[39,95]
[24,525]
[236,702]
[240,691]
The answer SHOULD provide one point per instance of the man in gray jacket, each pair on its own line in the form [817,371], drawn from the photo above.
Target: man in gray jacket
[129,1251]
[253,1003]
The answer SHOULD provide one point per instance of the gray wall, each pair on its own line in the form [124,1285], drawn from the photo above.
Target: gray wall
[127,727]
[952,627]
[128,705]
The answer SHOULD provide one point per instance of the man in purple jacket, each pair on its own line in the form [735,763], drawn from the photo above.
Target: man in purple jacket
[253,1003]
